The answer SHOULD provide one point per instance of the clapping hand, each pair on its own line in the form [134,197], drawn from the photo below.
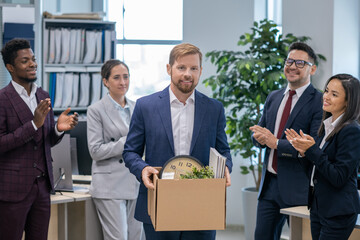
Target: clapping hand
[41,111]
[264,136]
[301,142]
[67,122]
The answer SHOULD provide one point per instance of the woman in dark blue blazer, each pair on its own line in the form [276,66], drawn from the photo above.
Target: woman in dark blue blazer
[333,198]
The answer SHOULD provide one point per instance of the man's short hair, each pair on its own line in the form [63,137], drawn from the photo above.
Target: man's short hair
[306,48]
[182,50]
[9,51]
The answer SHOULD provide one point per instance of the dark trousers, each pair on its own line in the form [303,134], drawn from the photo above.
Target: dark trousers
[31,215]
[269,220]
[334,228]
[177,235]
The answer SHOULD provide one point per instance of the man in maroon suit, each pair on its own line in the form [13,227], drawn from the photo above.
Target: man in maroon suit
[27,132]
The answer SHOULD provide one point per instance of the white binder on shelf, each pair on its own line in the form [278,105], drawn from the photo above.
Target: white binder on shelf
[90,52]
[99,52]
[77,46]
[51,58]
[67,91]
[82,45]
[59,89]
[84,95]
[108,45]
[95,87]
[72,49]
[46,45]
[75,90]
[57,45]
[65,45]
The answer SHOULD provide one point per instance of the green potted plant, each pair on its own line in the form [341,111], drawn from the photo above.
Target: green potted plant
[242,82]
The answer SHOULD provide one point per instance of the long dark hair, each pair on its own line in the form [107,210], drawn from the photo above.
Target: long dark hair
[351,86]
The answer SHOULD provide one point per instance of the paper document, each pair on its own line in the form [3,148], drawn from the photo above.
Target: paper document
[217,163]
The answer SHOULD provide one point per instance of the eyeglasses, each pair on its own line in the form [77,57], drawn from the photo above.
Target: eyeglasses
[298,63]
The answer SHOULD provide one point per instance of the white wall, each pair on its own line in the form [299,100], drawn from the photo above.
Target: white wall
[346,33]
[67,6]
[314,19]
[217,25]
[78,6]
[333,26]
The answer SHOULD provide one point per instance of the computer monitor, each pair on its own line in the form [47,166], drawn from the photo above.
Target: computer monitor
[84,160]
[62,169]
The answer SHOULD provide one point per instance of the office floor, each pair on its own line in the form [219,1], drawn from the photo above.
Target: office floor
[237,233]
[231,234]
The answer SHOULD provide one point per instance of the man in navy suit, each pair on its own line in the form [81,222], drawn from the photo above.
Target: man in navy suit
[27,132]
[284,180]
[176,121]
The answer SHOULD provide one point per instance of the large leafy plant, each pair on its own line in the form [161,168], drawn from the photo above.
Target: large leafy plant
[244,79]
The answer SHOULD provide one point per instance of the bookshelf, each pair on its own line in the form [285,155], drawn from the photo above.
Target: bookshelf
[73,52]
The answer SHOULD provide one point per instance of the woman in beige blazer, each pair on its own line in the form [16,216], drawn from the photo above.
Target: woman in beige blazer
[113,188]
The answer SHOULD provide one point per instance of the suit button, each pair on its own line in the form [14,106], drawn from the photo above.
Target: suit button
[112,139]
[35,148]
[34,165]
[121,161]
[315,181]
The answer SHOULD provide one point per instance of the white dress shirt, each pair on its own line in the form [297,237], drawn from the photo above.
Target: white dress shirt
[295,98]
[329,126]
[124,112]
[30,100]
[182,121]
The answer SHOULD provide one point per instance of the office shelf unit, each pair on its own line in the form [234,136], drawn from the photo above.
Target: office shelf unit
[73,52]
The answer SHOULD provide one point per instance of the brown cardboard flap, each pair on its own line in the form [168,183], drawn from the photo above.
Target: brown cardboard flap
[190,204]
[152,198]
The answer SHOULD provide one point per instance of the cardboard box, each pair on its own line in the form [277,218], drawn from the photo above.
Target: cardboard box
[187,204]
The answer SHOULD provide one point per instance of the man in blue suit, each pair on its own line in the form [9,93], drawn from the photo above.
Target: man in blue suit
[284,180]
[176,121]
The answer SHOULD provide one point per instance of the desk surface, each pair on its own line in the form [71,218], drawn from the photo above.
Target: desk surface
[303,212]
[66,197]
[58,198]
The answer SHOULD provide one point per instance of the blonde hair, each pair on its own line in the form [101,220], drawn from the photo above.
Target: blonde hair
[182,50]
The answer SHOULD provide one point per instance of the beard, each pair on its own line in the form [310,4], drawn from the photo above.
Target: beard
[29,80]
[184,88]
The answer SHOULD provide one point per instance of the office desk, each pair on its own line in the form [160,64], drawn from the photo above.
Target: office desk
[300,223]
[58,217]
[73,217]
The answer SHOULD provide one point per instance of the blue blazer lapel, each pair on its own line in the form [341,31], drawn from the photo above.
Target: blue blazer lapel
[274,110]
[165,115]
[305,97]
[325,145]
[200,111]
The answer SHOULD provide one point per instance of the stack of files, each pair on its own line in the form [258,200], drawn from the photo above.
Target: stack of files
[77,46]
[74,89]
[217,163]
